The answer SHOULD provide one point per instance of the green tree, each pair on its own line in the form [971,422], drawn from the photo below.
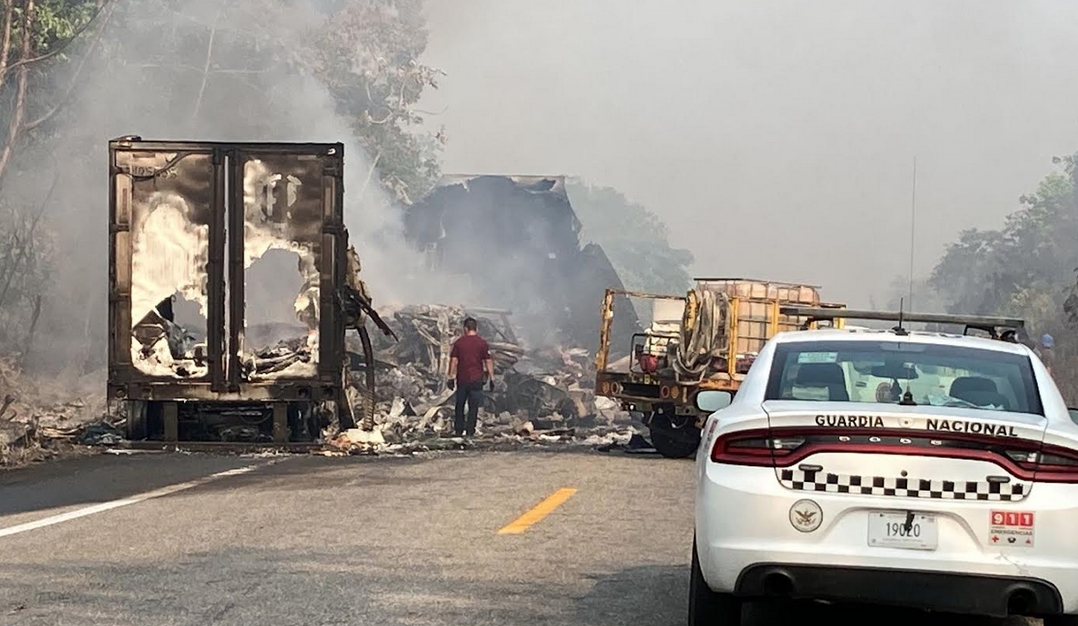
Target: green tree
[37,46]
[1025,269]
[993,271]
[635,239]
[370,61]
[204,69]
[34,36]
[925,297]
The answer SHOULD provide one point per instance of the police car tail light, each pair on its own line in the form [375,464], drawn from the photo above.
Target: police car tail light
[753,448]
[1051,464]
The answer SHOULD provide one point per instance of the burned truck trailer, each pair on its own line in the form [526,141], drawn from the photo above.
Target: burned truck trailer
[226,265]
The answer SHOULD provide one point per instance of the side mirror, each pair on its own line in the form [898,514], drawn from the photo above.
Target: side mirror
[711,401]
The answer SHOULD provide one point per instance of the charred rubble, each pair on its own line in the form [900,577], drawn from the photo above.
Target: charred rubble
[531,262]
[42,418]
[515,243]
[541,394]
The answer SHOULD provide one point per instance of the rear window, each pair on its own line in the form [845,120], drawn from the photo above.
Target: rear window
[882,372]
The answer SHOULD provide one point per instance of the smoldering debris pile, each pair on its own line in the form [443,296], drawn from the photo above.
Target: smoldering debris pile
[514,242]
[39,418]
[541,395]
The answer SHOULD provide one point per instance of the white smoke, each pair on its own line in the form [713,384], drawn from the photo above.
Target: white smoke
[199,70]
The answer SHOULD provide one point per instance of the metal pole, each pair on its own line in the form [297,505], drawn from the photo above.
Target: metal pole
[913,227]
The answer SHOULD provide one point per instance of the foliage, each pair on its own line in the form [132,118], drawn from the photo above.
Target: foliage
[35,34]
[987,271]
[635,239]
[193,62]
[1026,269]
[213,69]
[925,297]
[370,62]
[58,21]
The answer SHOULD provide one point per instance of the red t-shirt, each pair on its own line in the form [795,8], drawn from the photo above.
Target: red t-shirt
[470,352]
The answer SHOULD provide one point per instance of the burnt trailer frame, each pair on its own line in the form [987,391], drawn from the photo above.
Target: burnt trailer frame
[224,383]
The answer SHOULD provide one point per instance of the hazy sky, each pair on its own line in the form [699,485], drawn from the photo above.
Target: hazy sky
[775,137]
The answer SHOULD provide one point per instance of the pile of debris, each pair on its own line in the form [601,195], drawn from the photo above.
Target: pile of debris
[549,275]
[39,418]
[540,396]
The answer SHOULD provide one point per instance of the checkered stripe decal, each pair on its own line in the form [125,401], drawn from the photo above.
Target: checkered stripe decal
[819,481]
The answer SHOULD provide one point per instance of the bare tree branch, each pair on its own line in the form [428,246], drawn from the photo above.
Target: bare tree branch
[34,317]
[10,267]
[5,42]
[209,58]
[385,119]
[191,68]
[26,245]
[370,174]
[15,127]
[162,66]
[16,262]
[424,112]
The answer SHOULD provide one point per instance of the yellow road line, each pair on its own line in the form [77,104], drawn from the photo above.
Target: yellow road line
[541,510]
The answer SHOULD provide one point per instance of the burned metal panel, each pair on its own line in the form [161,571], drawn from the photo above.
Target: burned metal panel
[282,210]
[162,210]
[291,203]
[194,176]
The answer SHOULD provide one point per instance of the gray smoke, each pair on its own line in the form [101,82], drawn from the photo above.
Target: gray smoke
[776,138]
[201,70]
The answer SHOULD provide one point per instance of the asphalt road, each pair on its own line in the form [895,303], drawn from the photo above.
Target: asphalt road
[308,540]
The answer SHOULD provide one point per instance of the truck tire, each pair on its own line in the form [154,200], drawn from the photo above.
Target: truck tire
[706,607]
[136,426]
[673,443]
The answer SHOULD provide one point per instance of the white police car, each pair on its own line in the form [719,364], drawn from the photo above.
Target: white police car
[888,467]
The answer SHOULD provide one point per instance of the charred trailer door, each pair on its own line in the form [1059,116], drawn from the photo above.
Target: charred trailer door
[225,265]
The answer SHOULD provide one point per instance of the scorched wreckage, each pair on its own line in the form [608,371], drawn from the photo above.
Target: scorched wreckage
[233,286]
[228,288]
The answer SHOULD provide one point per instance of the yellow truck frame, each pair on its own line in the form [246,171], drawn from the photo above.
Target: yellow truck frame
[668,404]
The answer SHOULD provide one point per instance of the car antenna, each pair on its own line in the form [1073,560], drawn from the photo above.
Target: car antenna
[900,329]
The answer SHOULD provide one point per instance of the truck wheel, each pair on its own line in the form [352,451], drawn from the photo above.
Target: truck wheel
[706,607]
[673,444]
[136,425]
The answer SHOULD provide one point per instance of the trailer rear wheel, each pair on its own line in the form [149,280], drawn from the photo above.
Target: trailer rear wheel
[671,442]
[136,425]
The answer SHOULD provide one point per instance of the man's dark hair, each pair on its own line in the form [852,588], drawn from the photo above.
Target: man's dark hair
[471,324]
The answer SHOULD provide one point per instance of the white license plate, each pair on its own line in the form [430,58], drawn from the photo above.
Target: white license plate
[888,529]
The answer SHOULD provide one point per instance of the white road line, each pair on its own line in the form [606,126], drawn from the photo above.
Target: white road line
[115,504]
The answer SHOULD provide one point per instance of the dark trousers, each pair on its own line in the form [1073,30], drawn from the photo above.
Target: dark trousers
[472,393]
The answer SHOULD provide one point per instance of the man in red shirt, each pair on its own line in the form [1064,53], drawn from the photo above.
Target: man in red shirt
[470,356]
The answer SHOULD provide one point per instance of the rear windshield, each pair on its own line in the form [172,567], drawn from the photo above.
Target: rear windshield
[882,372]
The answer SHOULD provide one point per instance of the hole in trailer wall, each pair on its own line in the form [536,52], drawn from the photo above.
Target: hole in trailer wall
[169,257]
[281,315]
[282,219]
